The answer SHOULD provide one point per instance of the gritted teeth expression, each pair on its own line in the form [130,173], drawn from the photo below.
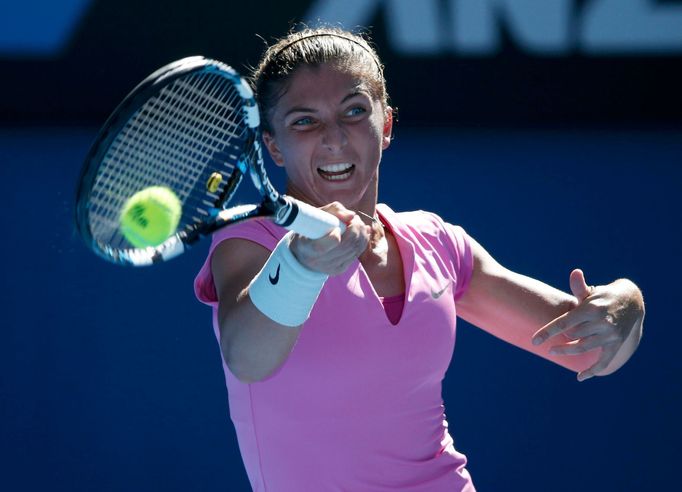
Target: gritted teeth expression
[328,132]
[336,172]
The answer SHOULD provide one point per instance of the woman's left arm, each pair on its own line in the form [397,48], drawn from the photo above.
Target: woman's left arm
[593,332]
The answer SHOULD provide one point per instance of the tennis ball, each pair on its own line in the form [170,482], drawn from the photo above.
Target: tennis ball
[150,216]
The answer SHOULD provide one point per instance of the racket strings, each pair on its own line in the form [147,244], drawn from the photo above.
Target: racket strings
[160,130]
[188,139]
[135,159]
[194,122]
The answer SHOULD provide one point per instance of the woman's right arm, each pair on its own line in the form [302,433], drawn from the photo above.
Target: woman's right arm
[254,346]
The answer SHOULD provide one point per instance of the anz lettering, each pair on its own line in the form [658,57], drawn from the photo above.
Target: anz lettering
[538,27]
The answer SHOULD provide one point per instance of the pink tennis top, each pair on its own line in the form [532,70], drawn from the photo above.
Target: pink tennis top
[357,406]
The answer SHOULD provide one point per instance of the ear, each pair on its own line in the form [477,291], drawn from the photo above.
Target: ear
[273,149]
[388,128]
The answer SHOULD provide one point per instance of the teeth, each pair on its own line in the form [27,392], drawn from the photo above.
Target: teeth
[336,168]
[337,177]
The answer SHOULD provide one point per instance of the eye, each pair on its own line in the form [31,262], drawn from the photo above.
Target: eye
[356,111]
[307,120]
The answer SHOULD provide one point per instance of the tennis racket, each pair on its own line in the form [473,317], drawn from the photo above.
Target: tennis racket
[194,127]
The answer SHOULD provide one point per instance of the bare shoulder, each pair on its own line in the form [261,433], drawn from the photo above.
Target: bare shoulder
[235,262]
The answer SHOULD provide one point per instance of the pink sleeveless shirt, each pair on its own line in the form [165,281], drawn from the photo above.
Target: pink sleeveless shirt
[357,406]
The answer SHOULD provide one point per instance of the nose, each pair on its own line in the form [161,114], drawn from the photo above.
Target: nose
[334,137]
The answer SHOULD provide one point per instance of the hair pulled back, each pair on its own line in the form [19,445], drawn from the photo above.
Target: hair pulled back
[314,47]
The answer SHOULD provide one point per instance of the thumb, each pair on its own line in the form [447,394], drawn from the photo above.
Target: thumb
[579,287]
[342,213]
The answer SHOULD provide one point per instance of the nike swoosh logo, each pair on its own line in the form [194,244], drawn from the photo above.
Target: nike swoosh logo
[436,295]
[275,279]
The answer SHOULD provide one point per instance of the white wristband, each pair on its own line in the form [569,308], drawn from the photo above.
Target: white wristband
[284,290]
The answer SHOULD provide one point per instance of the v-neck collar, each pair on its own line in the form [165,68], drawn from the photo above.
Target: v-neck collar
[406,251]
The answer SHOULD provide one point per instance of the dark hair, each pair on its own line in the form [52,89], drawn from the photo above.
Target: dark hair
[314,47]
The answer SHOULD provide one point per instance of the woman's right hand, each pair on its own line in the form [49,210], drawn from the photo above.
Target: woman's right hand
[334,252]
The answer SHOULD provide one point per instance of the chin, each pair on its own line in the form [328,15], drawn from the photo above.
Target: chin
[348,198]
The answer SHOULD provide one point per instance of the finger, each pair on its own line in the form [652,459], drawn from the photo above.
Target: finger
[342,213]
[580,346]
[357,227]
[329,240]
[607,355]
[559,325]
[356,237]
[334,252]
[595,326]
[357,231]
[353,243]
[579,287]
[316,254]
[318,246]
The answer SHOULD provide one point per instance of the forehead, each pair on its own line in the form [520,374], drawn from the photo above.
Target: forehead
[323,81]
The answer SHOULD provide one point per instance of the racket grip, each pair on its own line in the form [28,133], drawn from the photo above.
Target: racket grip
[312,222]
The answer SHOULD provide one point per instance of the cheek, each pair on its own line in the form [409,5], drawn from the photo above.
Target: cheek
[292,168]
[291,149]
[296,159]
[374,136]
[379,126]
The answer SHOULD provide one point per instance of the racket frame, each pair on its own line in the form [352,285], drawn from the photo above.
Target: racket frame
[281,209]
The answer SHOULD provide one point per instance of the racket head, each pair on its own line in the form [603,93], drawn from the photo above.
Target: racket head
[191,126]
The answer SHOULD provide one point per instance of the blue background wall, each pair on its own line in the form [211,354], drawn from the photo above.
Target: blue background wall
[110,378]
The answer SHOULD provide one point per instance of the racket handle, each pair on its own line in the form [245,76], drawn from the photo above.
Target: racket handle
[310,221]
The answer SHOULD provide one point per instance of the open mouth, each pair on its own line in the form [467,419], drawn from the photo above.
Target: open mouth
[336,172]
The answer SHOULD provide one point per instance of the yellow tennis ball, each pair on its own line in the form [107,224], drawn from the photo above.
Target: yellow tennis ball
[150,216]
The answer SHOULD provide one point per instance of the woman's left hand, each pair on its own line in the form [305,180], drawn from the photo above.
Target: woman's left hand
[607,317]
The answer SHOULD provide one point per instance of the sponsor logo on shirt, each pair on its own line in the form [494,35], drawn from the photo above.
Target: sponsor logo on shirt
[437,294]
[275,279]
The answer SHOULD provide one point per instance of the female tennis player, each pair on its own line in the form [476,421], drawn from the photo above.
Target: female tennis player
[335,349]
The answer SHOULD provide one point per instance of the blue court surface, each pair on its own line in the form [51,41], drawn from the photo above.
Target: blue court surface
[110,377]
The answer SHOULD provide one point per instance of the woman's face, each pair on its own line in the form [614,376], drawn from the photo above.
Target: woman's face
[328,132]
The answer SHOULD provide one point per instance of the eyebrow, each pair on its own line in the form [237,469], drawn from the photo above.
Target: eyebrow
[303,109]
